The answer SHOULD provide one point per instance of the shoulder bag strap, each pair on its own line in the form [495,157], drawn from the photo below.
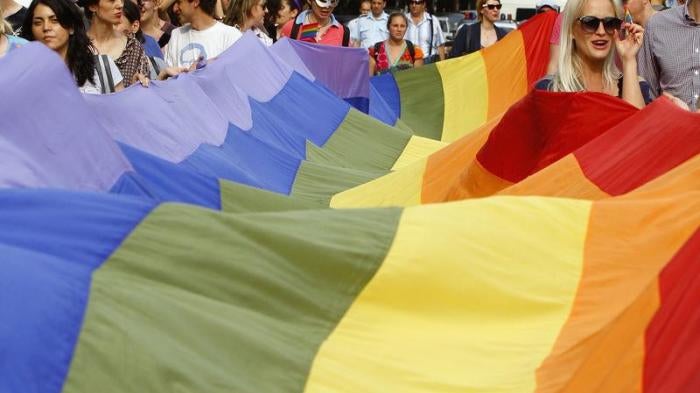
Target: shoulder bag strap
[152,60]
[430,46]
[346,36]
[295,30]
[411,50]
[108,72]
[100,67]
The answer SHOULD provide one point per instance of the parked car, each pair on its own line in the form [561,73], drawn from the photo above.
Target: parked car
[445,27]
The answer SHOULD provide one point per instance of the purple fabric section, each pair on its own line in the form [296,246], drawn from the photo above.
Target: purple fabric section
[336,67]
[251,67]
[49,136]
[232,102]
[285,51]
[168,119]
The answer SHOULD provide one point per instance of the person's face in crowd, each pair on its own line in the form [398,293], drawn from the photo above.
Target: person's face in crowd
[377,7]
[365,8]
[285,13]
[47,30]
[397,28]
[322,14]
[416,7]
[128,27]
[184,9]
[594,45]
[149,9]
[257,13]
[109,11]
[491,10]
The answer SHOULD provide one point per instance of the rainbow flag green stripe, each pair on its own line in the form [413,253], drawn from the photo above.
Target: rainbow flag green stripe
[422,100]
[239,198]
[216,312]
[361,141]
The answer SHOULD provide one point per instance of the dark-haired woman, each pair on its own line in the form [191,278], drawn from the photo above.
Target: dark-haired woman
[396,53]
[483,34]
[58,24]
[284,11]
[126,51]
[131,24]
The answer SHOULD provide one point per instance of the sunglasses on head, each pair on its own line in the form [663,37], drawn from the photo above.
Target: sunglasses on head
[590,24]
[492,6]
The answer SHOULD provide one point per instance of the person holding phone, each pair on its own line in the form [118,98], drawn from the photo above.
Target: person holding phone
[590,39]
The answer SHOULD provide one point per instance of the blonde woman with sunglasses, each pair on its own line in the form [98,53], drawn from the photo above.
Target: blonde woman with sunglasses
[590,39]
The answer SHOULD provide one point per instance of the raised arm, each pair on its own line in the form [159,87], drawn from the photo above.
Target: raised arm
[628,49]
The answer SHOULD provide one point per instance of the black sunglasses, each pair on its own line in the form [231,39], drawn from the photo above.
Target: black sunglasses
[590,24]
[492,6]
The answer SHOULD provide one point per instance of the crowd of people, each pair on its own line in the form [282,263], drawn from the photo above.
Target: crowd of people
[110,44]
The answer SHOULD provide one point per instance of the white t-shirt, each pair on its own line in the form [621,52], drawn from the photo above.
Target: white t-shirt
[186,44]
[96,88]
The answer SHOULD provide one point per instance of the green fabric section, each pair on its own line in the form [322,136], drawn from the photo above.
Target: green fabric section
[202,301]
[361,142]
[422,100]
[239,198]
[318,182]
[401,125]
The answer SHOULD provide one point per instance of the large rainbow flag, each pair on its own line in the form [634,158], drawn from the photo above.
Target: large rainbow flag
[178,238]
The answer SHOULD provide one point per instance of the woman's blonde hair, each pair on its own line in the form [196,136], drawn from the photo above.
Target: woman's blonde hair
[5,27]
[239,11]
[569,77]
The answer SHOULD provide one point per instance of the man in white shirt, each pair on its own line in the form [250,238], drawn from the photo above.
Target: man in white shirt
[201,37]
[372,28]
[353,24]
[419,32]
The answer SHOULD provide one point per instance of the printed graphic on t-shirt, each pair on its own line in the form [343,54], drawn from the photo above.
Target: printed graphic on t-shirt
[191,53]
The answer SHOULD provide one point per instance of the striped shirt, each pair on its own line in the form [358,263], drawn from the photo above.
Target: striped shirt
[670,56]
[420,34]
